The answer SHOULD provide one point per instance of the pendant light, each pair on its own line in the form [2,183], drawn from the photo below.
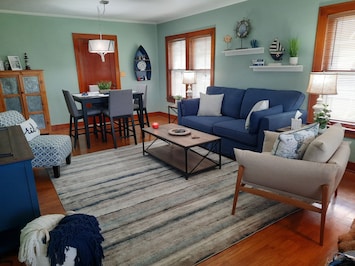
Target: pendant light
[100,46]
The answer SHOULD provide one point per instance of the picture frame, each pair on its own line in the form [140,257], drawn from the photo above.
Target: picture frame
[15,62]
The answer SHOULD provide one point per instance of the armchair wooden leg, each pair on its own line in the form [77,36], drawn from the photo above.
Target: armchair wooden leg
[237,186]
[325,195]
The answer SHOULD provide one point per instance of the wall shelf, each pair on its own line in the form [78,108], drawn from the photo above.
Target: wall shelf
[246,51]
[281,68]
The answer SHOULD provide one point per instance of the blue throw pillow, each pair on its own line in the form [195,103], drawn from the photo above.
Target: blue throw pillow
[256,117]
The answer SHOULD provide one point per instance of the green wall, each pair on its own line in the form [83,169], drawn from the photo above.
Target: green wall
[48,42]
[49,45]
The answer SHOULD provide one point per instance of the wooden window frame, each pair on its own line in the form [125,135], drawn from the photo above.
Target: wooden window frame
[324,12]
[188,36]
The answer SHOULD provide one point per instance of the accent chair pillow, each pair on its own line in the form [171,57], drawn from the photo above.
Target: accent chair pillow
[30,129]
[324,146]
[210,105]
[293,144]
[260,105]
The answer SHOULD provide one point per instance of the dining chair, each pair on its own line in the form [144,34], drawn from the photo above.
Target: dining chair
[77,114]
[120,108]
[142,88]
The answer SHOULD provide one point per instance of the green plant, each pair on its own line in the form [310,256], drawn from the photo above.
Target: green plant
[177,97]
[323,117]
[104,85]
[294,47]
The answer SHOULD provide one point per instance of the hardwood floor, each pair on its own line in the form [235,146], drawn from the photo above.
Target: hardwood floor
[290,241]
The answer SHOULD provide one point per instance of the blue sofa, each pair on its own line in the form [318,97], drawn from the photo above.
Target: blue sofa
[236,105]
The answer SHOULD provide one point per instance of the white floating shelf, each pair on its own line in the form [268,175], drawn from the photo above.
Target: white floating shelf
[258,50]
[282,68]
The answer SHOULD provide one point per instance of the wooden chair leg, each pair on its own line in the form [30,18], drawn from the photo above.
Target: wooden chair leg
[325,195]
[237,186]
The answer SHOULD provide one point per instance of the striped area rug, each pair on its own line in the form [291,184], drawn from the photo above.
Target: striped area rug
[150,215]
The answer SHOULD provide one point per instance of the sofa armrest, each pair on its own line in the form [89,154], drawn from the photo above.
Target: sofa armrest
[288,176]
[188,107]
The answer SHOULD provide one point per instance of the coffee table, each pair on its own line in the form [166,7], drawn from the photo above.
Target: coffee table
[180,151]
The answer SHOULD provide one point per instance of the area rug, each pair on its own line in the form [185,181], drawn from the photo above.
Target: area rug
[150,215]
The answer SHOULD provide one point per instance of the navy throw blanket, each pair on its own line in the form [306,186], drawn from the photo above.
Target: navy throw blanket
[79,231]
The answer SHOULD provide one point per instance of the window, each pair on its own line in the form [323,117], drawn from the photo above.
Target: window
[190,51]
[335,52]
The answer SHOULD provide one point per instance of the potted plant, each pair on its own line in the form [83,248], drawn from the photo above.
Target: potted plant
[294,47]
[322,118]
[104,86]
[177,98]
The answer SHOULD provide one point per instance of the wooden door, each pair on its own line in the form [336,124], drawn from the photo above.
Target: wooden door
[89,66]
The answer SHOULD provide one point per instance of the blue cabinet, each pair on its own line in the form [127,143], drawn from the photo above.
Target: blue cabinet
[18,195]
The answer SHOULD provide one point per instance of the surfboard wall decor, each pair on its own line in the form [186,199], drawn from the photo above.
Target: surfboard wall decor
[142,66]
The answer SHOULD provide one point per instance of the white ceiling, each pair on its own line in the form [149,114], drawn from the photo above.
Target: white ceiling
[140,11]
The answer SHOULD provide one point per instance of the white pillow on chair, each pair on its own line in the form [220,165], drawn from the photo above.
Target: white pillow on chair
[30,129]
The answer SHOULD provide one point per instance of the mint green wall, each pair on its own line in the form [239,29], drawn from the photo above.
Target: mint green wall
[48,43]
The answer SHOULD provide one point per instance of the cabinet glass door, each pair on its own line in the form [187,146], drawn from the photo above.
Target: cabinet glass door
[11,94]
[34,99]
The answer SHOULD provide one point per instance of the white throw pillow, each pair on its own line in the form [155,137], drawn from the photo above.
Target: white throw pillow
[261,105]
[210,104]
[30,129]
[293,144]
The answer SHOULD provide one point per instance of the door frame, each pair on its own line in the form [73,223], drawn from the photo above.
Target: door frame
[77,37]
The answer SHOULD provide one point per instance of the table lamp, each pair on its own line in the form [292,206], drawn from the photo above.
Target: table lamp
[189,77]
[321,83]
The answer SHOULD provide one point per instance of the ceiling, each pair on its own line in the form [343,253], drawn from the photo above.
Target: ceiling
[139,11]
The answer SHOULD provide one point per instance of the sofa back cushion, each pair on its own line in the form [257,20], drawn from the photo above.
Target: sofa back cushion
[290,100]
[324,146]
[232,99]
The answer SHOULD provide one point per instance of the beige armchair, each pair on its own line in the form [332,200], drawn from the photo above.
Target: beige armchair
[300,182]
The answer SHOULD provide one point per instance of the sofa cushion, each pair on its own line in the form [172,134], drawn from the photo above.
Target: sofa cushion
[261,105]
[292,144]
[210,105]
[323,147]
[232,99]
[235,130]
[256,117]
[291,100]
[30,129]
[203,123]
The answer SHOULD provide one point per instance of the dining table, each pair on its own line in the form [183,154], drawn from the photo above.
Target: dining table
[88,98]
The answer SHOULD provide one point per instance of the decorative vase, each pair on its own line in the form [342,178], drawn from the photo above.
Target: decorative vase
[293,60]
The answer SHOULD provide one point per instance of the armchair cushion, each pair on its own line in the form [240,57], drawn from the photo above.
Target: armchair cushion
[323,147]
[293,144]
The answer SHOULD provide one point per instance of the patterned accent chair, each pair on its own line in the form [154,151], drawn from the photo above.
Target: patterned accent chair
[48,150]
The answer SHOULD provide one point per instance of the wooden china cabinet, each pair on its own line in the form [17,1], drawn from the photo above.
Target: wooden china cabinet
[25,91]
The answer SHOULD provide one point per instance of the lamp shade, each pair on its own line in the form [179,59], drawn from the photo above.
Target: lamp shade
[322,83]
[101,47]
[189,77]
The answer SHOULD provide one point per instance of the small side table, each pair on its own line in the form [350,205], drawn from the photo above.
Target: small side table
[174,108]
